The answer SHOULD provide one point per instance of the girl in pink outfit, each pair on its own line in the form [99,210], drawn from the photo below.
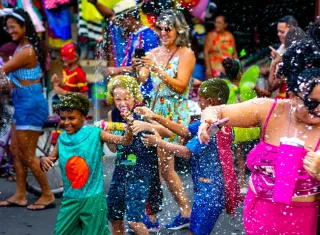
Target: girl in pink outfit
[299,117]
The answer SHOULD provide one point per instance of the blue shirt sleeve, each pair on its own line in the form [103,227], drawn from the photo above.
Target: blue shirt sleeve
[193,127]
[194,145]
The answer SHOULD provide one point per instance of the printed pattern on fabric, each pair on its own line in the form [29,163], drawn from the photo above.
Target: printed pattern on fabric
[74,80]
[168,103]
[222,47]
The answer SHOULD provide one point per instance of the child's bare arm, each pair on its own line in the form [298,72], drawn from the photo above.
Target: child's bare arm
[177,150]
[172,126]
[111,146]
[47,162]
[139,126]
[115,139]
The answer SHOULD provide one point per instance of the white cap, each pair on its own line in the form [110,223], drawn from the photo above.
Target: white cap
[124,6]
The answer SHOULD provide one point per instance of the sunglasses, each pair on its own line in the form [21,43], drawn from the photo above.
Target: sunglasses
[167,29]
[310,105]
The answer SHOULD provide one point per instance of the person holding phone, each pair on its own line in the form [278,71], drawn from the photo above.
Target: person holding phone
[170,66]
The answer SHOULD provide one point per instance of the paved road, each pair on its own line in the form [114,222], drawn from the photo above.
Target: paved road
[20,221]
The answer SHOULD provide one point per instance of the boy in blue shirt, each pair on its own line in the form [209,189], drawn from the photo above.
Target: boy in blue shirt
[207,175]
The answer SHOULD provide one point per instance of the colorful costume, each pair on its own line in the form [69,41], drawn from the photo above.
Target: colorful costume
[83,209]
[222,47]
[130,184]
[27,99]
[214,180]
[168,103]
[261,213]
[147,39]
[75,80]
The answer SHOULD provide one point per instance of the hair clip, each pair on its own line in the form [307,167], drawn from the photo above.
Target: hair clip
[10,12]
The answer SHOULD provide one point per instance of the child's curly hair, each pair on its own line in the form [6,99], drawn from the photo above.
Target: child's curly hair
[216,89]
[74,101]
[125,82]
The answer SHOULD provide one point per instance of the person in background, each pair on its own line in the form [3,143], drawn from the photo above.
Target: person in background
[293,35]
[6,52]
[30,108]
[127,17]
[219,44]
[283,26]
[73,78]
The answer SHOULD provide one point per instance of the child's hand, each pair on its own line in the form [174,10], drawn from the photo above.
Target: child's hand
[203,135]
[55,80]
[46,164]
[144,112]
[151,140]
[127,116]
[139,126]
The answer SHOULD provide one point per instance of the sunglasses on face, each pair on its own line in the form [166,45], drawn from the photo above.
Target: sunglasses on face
[310,105]
[167,29]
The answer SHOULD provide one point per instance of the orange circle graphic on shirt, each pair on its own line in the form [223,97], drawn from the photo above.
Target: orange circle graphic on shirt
[77,171]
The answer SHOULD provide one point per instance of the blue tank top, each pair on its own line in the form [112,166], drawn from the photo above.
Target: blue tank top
[25,73]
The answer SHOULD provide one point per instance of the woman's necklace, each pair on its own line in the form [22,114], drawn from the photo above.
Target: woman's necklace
[309,127]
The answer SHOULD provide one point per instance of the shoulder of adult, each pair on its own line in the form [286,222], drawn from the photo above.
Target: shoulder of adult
[25,52]
[185,51]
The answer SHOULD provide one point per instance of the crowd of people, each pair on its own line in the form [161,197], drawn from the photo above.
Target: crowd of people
[149,91]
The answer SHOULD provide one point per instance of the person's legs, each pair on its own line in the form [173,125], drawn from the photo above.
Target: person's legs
[173,182]
[116,200]
[241,165]
[68,222]
[154,201]
[93,215]
[137,191]
[27,143]
[20,196]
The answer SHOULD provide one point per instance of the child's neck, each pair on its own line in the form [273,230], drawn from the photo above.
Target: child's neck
[73,67]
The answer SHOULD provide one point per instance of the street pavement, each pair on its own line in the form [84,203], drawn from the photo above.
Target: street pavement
[20,221]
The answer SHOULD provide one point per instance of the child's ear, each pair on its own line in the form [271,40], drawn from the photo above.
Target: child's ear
[212,101]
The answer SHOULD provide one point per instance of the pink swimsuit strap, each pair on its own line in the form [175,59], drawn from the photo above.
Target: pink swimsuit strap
[267,119]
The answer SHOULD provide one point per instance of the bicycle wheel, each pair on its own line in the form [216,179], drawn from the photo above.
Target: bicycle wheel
[44,148]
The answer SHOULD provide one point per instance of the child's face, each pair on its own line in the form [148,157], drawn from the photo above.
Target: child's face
[70,63]
[72,120]
[123,100]
[205,102]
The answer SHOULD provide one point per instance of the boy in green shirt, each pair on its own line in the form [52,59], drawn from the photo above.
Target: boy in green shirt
[80,150]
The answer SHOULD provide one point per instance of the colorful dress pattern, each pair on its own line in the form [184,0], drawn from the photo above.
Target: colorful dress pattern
[222,47]
[168,103]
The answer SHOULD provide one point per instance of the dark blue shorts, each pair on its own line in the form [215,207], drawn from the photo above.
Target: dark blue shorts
[209,201]
[127,195]
[30,107]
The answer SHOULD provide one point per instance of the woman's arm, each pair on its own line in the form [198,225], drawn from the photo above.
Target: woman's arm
[206,50]
[177,150]
[234,53]
[247,114]
[21,59]
[186,65]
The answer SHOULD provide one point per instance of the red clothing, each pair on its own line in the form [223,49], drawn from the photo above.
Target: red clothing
[75,80]
[282,92]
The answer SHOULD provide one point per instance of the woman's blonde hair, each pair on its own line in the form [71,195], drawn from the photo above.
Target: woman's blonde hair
[176,20]
[125,82]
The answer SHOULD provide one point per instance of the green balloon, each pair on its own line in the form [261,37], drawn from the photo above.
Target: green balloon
[233,92]
[248,82]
